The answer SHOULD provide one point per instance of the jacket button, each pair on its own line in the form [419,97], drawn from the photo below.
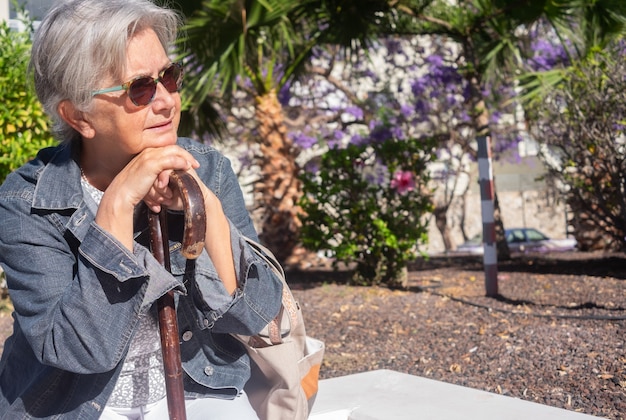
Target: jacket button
[208,371]
[187,335]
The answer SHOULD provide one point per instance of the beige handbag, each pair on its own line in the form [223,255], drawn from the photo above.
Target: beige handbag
[286,362]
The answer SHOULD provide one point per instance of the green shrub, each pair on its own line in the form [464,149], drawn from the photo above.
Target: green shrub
[365,205]
[23,123]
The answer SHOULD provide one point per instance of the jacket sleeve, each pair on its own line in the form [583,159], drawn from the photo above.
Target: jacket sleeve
[259,294]
[77,303]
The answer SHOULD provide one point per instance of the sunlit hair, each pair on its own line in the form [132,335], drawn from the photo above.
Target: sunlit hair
[81,42]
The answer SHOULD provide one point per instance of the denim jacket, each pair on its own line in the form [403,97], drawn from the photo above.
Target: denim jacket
[78,292]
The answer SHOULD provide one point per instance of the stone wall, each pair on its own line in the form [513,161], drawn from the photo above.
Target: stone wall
[538,209]
[525,201]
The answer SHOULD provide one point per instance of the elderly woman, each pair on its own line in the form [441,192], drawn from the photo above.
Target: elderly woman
[74,242]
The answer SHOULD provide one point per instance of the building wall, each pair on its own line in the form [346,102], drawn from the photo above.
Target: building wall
[36,8]
[525,201]
[4,10]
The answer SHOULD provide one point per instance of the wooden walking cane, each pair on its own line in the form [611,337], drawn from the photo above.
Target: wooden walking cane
[193,243]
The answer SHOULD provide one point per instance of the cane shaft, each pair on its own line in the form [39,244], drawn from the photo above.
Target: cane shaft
[171,357]
[168,325]
[193,243]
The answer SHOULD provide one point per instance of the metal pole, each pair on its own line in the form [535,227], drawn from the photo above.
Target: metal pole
[485,180]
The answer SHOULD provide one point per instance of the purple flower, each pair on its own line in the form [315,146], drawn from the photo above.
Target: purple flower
[435,60]
[495,117]
[397,132]
[284,94]
[394,47]
[312,167]
[355,111]
[406,110]
[380,134]
[333,143]
[618,127]
[451,100]
[418,87]
[377,174]
[403,182]
[370,74]
[304,141]
[422,108]
[547,55]
[358,140]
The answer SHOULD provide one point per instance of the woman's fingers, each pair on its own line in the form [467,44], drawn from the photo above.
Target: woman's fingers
[162,163]
[147,175]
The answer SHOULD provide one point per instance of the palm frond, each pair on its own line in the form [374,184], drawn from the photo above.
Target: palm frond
[536,85]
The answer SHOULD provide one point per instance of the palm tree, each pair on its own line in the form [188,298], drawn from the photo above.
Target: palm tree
[259,46]
[252,46]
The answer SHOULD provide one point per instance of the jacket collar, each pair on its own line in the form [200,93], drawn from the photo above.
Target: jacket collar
[58,180]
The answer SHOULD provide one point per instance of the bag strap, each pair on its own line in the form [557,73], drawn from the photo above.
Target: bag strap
[268,256]
[288,303]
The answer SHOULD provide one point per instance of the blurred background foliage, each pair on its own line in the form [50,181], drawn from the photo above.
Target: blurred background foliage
[24,127]
[287,83]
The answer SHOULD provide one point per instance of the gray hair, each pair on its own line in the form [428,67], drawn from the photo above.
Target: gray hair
[81,42]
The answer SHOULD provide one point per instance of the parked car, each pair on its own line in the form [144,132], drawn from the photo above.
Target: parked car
[522,240]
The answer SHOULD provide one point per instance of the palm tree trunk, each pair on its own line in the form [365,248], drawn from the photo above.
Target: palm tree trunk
[279,189]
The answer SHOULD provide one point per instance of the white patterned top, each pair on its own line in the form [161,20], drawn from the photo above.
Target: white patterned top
[142,380]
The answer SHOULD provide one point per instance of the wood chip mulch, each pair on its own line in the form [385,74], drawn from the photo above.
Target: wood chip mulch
[554,335]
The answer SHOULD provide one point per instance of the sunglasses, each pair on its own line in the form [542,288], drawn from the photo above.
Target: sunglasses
[142,90]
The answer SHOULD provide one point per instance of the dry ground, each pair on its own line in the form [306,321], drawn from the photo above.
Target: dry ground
[554,335]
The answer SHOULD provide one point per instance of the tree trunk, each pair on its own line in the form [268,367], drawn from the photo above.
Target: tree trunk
[464,212]
[441,221]
[279,189]
[504,253]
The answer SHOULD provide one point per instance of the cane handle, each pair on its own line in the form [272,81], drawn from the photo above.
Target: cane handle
[195,214]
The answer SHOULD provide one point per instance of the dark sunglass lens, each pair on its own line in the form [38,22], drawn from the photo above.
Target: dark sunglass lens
[142,90]
[171,78]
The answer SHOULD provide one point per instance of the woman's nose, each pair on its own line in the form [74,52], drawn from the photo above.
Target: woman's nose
[163,97]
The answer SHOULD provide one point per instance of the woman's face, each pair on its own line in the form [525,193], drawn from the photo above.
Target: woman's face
[121,126]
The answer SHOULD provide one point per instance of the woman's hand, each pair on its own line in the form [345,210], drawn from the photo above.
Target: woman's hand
[144,178]
[156,165]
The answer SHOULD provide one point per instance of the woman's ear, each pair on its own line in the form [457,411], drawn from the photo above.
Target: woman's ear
[76,119]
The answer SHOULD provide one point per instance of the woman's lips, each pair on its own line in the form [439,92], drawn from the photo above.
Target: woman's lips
[164,125]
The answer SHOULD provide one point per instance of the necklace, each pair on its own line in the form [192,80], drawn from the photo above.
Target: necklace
[83,176]
[93,191]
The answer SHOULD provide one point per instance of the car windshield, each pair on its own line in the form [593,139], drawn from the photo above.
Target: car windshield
[535,235]
[515,235]
[524,235]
